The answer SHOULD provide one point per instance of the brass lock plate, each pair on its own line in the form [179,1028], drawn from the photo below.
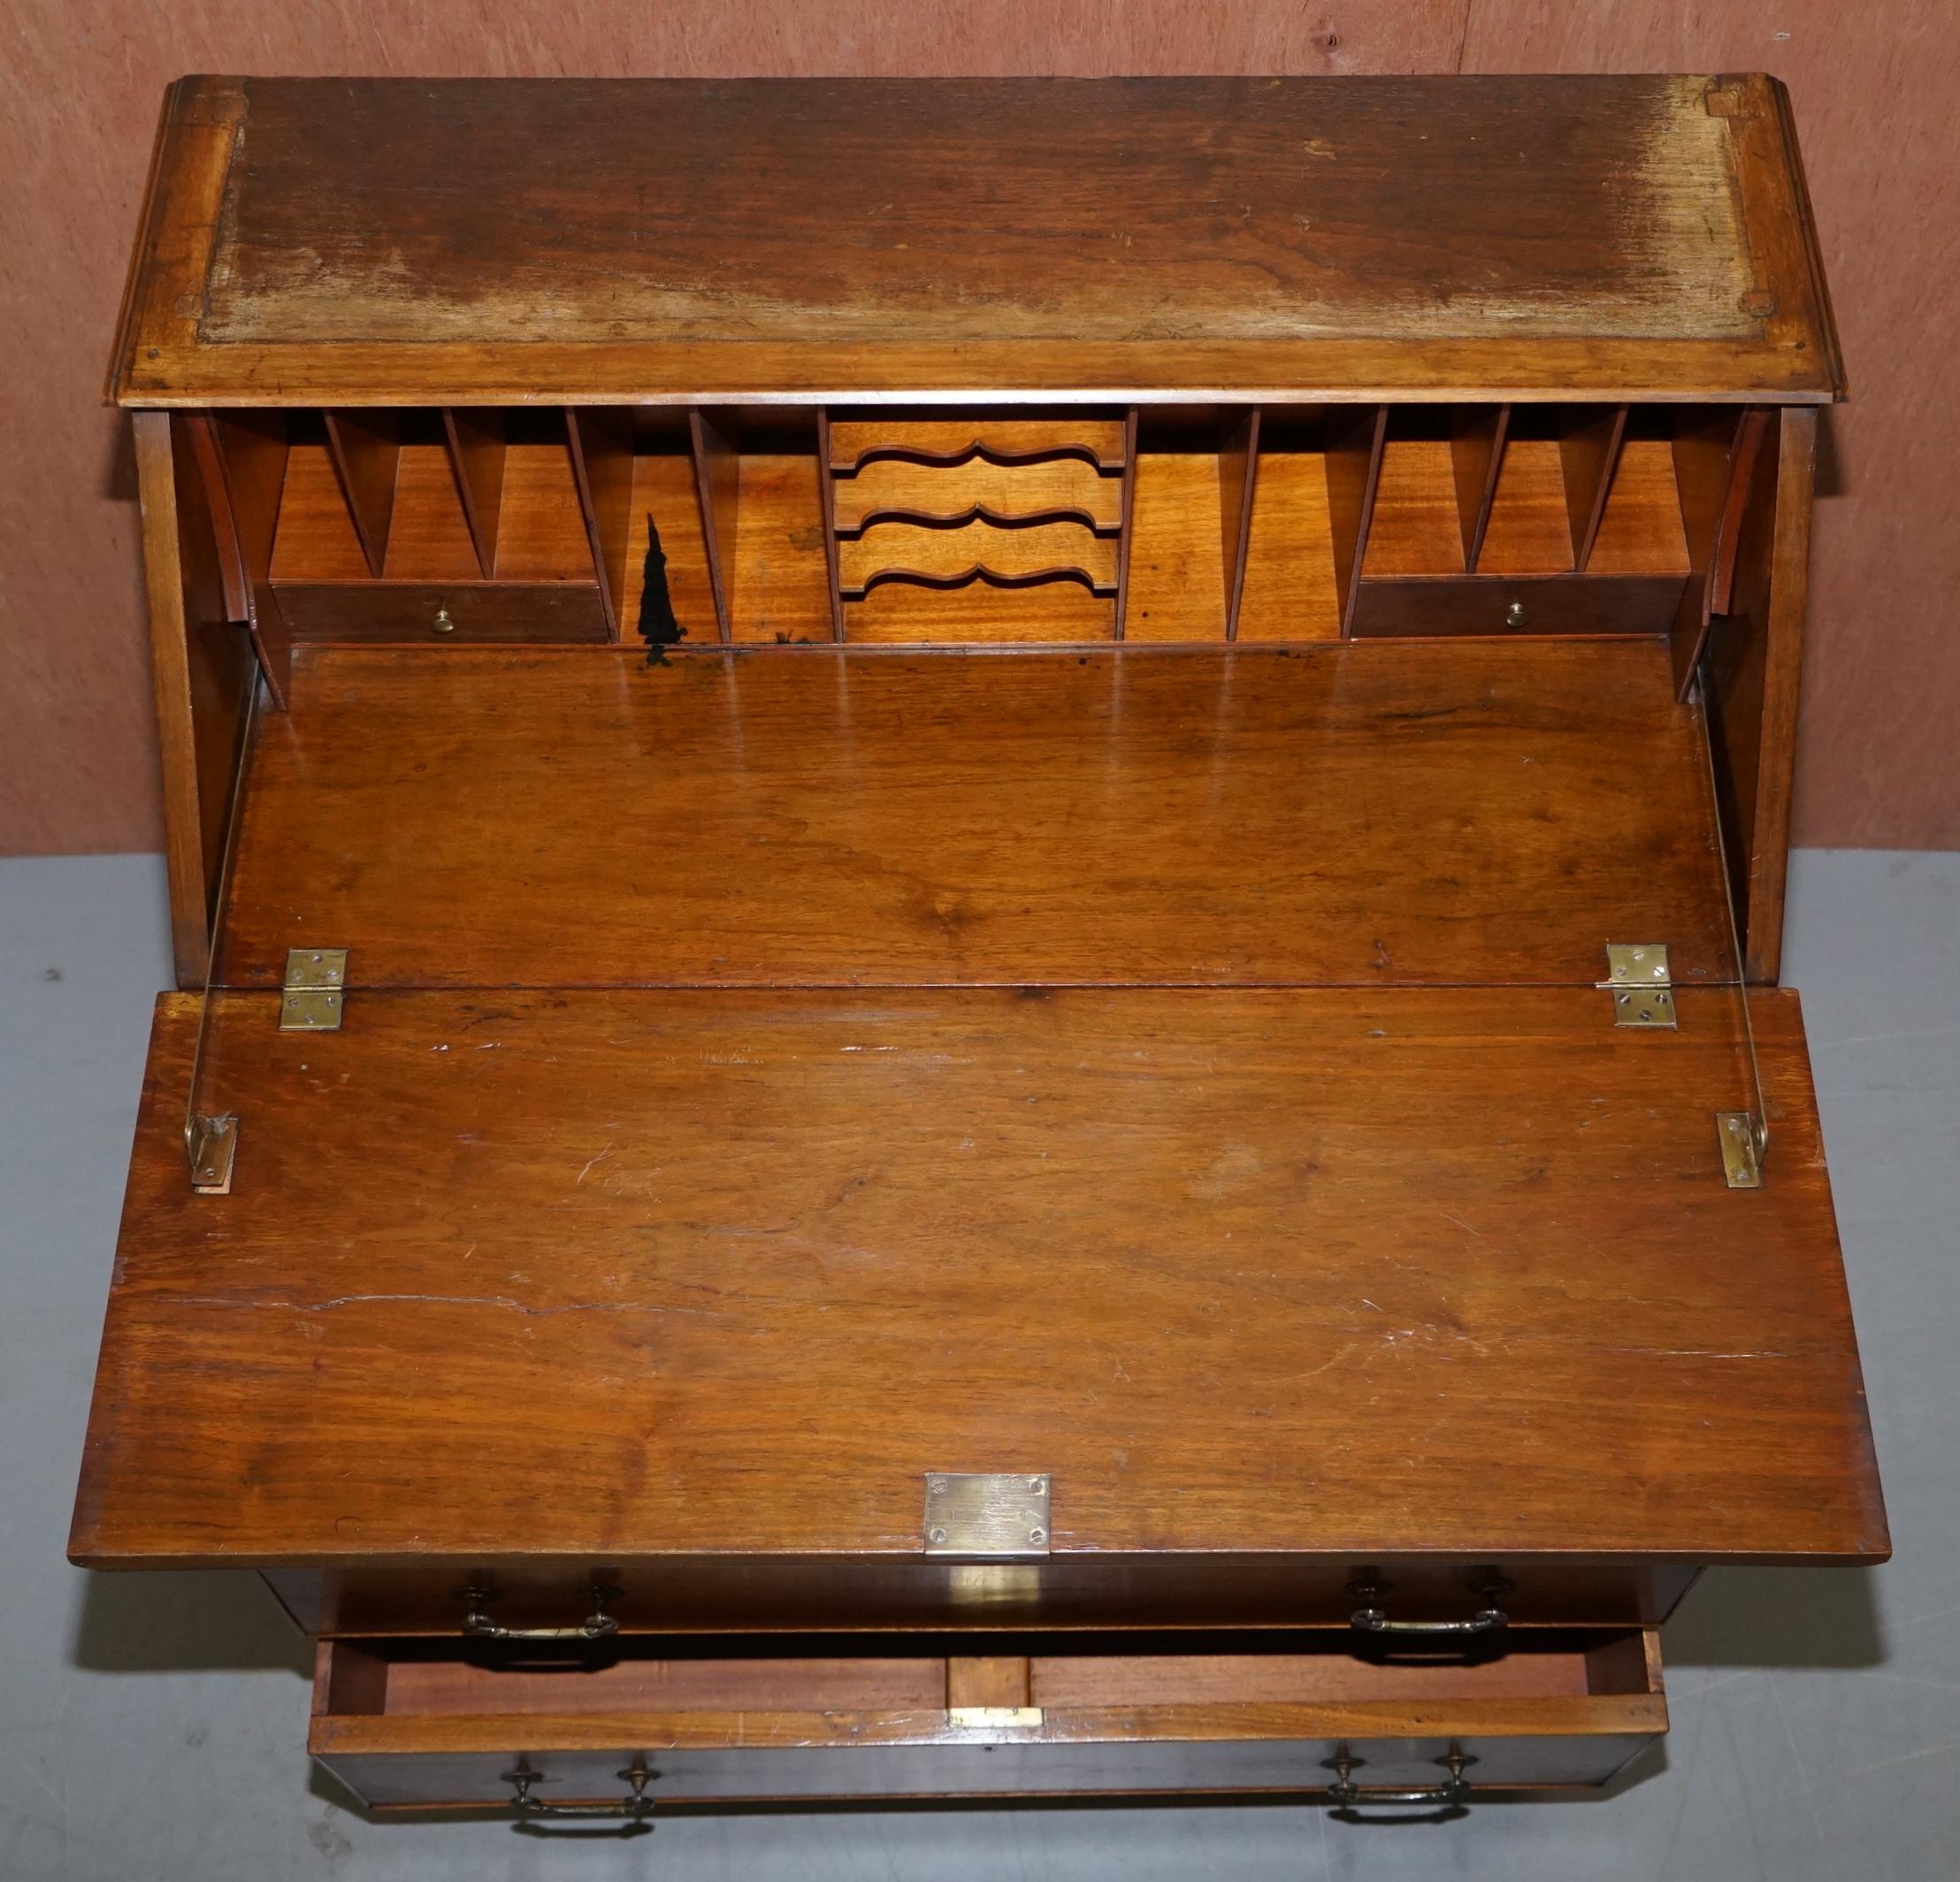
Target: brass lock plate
[975,1514]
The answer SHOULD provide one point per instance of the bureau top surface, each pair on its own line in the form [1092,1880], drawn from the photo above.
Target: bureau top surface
[406,240]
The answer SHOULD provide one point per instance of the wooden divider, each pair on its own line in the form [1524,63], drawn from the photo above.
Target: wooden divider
[998,434]
[1354,476]
[1589,449]
[1126,510]
[366,450]
[911,490]
[1715,454]
[827,501]
[1755,657]
[1476,449]
[1238,471]
[200,431]
[479,446]
[243,457]
[1009,553]
[601,445]
[717,476]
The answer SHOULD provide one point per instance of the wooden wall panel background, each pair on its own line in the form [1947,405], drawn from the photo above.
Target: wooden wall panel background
[80,88]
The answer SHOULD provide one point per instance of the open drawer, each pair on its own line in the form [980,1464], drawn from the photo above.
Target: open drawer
[417,1725]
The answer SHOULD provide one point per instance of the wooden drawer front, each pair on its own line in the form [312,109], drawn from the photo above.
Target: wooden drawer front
[408,1725]
[1547,604]
[410,611]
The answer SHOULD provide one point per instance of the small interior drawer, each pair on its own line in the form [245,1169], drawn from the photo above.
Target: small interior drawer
[440,613]
[407,1724]
[1518,604]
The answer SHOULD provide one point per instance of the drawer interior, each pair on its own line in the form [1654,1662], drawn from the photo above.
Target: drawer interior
[423,1723]
[421,1678]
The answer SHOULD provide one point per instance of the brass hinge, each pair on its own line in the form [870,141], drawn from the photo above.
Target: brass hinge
[989,1515]
[1637,978]
[316,984]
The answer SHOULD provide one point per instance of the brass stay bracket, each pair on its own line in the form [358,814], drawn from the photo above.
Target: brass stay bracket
[211,1137]
[311,999]
[1745,1135]
[1643,987]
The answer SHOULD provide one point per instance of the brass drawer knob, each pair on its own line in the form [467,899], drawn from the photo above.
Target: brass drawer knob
[1514,615]
[442,624]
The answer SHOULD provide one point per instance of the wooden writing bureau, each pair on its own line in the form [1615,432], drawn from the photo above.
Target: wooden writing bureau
[976,889]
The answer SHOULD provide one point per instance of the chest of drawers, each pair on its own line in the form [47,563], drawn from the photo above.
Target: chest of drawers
[977,893]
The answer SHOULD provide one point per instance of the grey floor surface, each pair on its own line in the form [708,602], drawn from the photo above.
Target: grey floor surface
[154,1725]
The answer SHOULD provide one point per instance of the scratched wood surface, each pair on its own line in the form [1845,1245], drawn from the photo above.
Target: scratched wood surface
[627,1274]
[1364,815]
[349,239]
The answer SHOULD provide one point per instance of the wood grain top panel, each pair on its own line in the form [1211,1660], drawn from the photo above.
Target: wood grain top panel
[353,242]
[1447,1271]
[1366,815]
